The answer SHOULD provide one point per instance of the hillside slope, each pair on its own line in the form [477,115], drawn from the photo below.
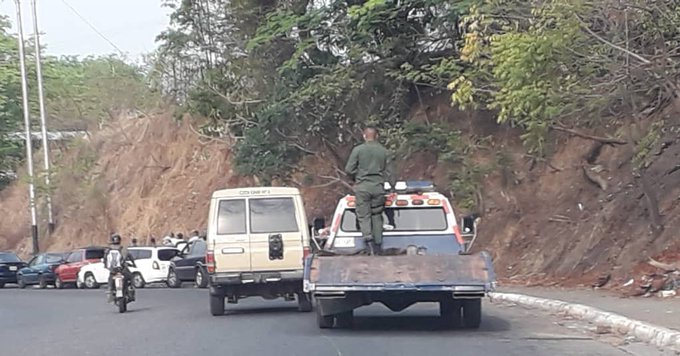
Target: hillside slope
[144,176]
[544,222]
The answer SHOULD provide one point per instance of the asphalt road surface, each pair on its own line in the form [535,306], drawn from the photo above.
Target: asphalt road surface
[178,322]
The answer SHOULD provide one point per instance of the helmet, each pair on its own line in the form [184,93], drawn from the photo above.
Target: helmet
[115,239]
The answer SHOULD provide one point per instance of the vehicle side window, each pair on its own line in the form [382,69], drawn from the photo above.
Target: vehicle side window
[166,254]
[140,254]
[53,259]
[35,261]
[231,217]
[94,254]
[272,215]
[76,256]
[199,248]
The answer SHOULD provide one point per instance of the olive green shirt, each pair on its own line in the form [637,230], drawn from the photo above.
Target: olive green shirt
[370,163]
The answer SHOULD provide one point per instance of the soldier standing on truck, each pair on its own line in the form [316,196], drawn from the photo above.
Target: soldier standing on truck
[370,165]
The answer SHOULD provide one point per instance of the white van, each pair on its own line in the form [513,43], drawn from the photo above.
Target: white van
[258,239]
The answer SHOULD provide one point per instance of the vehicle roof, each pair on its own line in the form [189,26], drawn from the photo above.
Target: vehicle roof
[255,191]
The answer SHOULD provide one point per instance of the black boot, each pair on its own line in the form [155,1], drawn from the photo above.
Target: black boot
[370,248]
[377,248]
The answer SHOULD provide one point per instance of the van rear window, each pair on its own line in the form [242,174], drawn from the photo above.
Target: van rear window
[231,217]
[272,215]
[402,219]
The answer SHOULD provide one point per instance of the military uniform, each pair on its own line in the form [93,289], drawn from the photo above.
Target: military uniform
[370,164]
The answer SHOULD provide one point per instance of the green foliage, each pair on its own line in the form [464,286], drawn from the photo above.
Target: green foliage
[327,69]
[78,92]
[571,63]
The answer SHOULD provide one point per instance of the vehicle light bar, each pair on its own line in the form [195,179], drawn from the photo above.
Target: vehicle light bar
[402,202]
[417,202]
[411,186]
[434,202]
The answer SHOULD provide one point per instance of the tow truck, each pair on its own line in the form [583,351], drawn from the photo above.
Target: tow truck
[425,258]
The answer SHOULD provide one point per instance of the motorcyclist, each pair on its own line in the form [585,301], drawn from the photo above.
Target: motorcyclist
[115,261]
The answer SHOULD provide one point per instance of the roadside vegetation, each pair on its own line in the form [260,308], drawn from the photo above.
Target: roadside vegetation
[291,78]
[81,93]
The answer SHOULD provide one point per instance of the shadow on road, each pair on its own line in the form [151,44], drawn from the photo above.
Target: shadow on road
[137,310]
[423,323]
[253,311]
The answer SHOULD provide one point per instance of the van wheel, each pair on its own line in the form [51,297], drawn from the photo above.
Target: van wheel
[173,281]
[304,302]
[472,313]
[449,310]
[344,320]
[201,279]
[324,321]
[216,305]
[138,280]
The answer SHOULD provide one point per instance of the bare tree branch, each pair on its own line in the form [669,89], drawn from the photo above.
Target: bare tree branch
[607,140]
[608,43]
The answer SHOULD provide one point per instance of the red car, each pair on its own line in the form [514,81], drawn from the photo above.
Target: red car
[68,272]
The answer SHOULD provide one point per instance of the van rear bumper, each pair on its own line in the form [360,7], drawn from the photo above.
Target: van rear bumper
[227,278]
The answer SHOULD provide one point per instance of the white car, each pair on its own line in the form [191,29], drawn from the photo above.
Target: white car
[152,267]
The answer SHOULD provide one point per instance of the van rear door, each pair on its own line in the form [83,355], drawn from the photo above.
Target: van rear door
[230,236]
[269,217]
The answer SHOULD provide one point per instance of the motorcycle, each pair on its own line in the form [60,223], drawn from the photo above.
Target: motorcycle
[123,295]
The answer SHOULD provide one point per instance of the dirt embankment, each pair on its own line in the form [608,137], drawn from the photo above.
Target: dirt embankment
[143,176]
[567,219]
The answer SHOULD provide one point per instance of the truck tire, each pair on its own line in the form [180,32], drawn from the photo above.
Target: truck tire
[472,313]
[344,320]
[450,312]
[201,278]
[304,302]
[173,281]
[216,305]
[58,284]
[324,321]
[42,282]
[138,280]
[20,282]
[90,281]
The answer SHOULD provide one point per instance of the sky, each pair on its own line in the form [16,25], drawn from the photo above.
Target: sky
[132,25]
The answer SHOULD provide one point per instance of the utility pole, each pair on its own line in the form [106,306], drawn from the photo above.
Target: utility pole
[27,123]
[43,114]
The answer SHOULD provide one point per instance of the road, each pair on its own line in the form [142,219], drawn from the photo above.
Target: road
[177,322]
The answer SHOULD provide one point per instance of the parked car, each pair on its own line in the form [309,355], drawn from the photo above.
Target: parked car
[40,270]
[152,267]
[189,266]
[67,273]
[10,264]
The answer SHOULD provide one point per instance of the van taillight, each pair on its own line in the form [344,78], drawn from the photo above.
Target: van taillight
[210,261]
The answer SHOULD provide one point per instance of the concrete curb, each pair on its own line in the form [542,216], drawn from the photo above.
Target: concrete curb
[655,335]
